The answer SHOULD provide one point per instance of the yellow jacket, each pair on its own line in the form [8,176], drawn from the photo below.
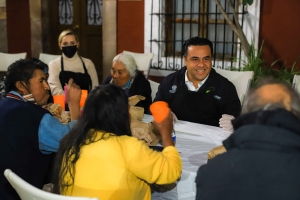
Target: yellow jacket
[121,167]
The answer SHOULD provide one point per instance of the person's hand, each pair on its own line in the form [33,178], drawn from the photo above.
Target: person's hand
[73,97]
[175,119]
[225,122]
[73,92]
[165,129]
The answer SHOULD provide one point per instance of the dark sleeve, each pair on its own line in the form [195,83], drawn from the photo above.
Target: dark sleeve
[200,182]
[141,86]
[106,81]
[172,80]
[145,90]
[160,95]
[232,104]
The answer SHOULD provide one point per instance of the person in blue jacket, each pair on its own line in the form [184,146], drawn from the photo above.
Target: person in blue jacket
[29,134]
[196,93]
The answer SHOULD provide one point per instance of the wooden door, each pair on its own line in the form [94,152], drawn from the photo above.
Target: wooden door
[84,17]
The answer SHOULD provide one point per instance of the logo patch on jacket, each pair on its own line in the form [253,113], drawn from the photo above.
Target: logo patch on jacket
[217,97]
[174,87]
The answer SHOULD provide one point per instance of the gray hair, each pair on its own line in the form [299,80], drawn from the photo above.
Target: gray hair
[128,61]
[253,99]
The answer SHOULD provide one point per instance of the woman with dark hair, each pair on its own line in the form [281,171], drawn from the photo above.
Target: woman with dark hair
[29,134]
[99,158]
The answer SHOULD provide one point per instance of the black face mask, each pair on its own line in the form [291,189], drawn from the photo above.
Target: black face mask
[69,51]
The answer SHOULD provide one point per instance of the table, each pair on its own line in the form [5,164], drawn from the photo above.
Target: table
[193,141]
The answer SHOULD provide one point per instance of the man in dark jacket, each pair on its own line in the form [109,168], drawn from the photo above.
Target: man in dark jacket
[196,93]
[29,134]
[263,154]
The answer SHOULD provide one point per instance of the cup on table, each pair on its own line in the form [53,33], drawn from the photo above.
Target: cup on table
[59,99]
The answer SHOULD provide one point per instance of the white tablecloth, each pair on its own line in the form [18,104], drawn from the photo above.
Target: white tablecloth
[193,141]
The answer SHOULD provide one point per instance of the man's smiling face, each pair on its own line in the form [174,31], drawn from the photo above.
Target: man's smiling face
[198,63]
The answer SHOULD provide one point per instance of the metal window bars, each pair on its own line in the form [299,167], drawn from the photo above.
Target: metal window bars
[174,21]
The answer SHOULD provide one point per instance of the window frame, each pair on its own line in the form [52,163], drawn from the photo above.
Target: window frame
[203,22]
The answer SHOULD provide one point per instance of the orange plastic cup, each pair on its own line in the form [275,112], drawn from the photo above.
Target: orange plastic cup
[59,99]
[160,110]
[84,94]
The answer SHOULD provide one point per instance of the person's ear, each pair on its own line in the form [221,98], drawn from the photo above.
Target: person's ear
[20,86]
[184,60]
[59,45]
[77,45]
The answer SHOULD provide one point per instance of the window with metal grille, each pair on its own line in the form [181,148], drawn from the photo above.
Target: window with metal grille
[179,20]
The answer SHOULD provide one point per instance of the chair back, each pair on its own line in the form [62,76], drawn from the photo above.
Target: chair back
[143,61]
[8,58]
[296,83]
[46,58]
[240,79]
[29,192]
[154,88]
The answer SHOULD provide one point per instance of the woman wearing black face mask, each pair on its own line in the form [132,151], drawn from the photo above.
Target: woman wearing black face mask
[71,65]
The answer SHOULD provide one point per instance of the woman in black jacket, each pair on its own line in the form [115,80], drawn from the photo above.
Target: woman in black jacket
[125,74]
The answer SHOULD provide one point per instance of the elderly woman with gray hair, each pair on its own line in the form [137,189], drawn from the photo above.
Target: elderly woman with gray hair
[125,74]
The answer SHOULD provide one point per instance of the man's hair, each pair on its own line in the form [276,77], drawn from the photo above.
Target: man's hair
[196,41]
[22,70]
[253,100]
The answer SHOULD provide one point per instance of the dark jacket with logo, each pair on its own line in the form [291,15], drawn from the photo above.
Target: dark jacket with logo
[215,97]
[262,161]
[19,145]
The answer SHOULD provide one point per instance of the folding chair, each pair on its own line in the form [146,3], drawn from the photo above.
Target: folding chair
[46,58]
[9,58]
[29,192]
[240,79]
[143,61]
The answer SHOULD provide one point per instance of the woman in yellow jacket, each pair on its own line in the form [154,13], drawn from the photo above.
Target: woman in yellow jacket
[99,157]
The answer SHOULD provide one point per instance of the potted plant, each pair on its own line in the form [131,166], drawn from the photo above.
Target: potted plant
[255,63]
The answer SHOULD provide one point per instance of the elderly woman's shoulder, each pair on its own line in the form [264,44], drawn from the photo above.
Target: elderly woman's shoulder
[107,80]
[140,75]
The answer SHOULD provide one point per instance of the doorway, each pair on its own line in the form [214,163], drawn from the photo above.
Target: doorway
[84,17]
